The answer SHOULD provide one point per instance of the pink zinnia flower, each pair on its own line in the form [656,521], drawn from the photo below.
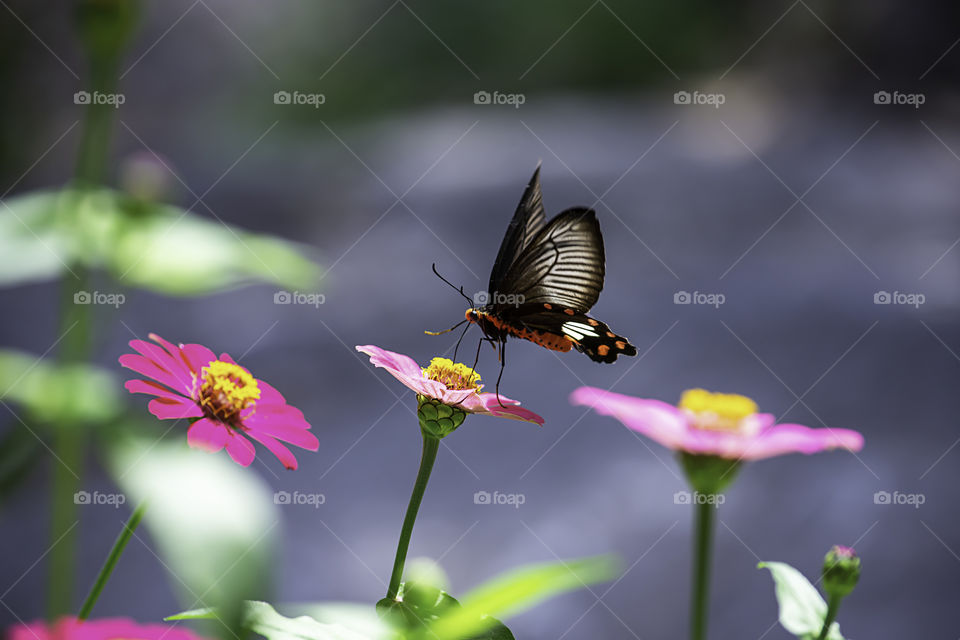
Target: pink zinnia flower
[447,382]
[715,424]
[225,402]
[68,628]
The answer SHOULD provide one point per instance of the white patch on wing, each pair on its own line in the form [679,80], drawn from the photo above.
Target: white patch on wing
[577,330]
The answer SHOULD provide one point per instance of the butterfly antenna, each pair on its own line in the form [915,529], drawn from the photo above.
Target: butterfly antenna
[440,333]
[452,286]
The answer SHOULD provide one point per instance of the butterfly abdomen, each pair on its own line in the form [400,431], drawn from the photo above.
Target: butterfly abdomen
[552,341]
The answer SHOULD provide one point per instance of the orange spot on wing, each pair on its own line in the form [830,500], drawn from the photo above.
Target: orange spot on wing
[592,322]
[621,344]
[569,312]
[547,306]
[611,334]
[603,349]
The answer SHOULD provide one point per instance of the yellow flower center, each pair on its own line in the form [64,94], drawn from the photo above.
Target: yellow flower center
[718,411]
[455,376]
[227,390]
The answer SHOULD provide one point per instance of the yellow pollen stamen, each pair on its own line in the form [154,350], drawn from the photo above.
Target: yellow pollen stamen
[717,411]
[454,375]
[227,390]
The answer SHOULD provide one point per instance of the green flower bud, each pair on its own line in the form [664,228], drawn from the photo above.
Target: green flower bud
[438,419]
[841,571]
[708,475]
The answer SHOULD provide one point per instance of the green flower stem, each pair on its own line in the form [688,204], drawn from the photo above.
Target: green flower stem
[701,569]
[832,607]
[431,445]
[115,553]
[68,447]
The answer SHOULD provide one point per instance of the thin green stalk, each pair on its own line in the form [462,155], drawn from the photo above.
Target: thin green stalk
[115,553]
[68,447]
[430,447]
[832,607]
[703,546]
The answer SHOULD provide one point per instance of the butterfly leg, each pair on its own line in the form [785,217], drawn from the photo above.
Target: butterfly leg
[477,359]
[457,348]
[503,363]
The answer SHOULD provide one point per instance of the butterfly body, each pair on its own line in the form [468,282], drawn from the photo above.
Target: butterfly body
[546,277]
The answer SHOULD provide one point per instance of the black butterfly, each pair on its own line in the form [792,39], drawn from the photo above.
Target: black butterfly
[546,278]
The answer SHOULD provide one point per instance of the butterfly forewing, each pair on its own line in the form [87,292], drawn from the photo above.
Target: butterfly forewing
[563,264]
[527,222]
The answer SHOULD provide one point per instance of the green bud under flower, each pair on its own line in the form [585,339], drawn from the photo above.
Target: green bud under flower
[438,419]
[841,571]
[708,475]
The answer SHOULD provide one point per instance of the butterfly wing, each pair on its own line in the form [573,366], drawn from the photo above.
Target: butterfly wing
[563,264]
[550,326]
[527,222]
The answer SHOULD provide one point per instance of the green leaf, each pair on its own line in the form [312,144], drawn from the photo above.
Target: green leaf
[180,253]
[59,394]
[802,608]
[263,619]
[213,522]
[154,246]
[517,591]
[33,246]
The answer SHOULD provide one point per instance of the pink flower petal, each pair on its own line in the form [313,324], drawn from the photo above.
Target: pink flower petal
[283,422]
[269,395]
[657,420]
[208,435]
[283,454]
[391,360]
[197,357]
[147,367]
[797,438]
[509,409]
[240,449]
[175,366]
[152,388]
[174,409]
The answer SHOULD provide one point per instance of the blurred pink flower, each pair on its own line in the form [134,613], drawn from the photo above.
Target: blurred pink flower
[451,383]
[223,400]
[722,425]
[68,628]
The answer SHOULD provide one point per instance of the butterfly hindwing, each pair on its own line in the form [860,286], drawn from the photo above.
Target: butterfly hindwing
[546,323]
[563,265]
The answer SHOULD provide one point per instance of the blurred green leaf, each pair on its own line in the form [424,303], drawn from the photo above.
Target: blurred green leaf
[33,247]
[517,591]
[261,618]
[59,394]
[802,608]
[213,522]
[153,246]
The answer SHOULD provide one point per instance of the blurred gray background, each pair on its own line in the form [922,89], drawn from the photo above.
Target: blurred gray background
[798,199]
